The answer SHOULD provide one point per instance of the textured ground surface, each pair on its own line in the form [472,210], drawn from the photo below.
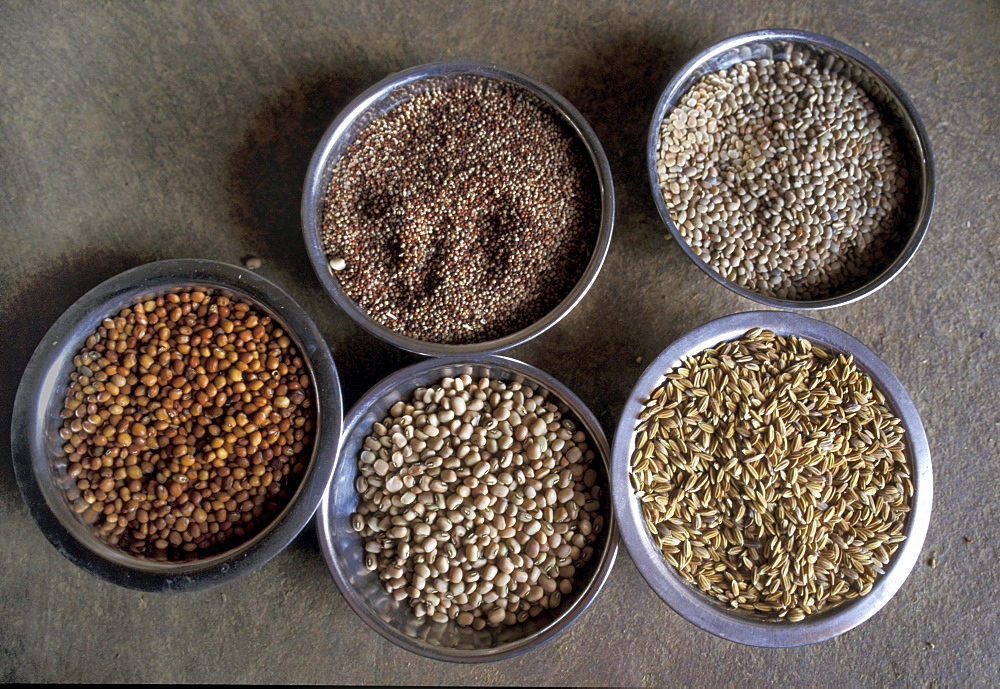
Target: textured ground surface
[131,132]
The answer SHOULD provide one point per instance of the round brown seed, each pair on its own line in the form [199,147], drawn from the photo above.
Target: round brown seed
[164,435]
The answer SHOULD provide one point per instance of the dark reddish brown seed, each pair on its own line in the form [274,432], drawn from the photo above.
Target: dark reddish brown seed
[462,215]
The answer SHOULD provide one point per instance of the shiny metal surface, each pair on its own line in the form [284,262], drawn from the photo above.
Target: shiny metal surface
[362,589]
[36,421]
[691,603]
[381,98]
[880,87]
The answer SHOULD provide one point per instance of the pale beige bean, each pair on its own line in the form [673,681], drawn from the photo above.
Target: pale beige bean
[508,526]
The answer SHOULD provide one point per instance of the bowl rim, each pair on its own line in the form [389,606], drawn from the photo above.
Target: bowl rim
[317,178]
[42,384]
[403,378]
[916,135]
[696,606]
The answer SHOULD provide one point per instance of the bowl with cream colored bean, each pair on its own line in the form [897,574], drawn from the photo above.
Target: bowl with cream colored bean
[469,518]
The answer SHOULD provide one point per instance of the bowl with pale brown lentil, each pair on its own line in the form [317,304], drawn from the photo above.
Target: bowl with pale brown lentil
[177,425]
[458,208]
[772,479]
[791,169]
[469,518]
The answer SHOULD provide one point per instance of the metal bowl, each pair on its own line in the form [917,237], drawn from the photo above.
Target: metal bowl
[690,602]
[36,421]
[362,589]
[893,105]
[383,97]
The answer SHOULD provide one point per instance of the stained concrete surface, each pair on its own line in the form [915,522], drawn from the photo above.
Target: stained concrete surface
[131,132]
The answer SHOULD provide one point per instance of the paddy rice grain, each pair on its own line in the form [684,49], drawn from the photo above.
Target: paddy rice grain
[772,475]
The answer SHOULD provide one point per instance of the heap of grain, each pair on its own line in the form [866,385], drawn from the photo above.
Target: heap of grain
[784,177]
[462,215]
[772,474]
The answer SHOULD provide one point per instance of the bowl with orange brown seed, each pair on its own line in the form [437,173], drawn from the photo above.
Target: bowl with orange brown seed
[176,427]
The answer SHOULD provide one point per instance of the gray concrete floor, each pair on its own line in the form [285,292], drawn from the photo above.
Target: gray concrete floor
[131,132]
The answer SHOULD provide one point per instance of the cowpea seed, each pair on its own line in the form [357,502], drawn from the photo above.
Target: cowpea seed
[357,522]
[489,521]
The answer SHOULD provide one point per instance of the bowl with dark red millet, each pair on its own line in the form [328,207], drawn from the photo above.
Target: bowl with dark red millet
[458,208]
[176,427]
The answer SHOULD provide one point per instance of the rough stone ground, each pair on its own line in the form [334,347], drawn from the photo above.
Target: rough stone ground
[131,132]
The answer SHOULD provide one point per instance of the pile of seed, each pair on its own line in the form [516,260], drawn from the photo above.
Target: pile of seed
[463,214]
[772,475]
[477,502]
[187,423]
[784,178]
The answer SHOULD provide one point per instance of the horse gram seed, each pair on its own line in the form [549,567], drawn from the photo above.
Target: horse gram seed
[784,178]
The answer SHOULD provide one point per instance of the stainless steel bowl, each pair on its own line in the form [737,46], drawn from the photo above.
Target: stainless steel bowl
[40,396]
[698,607]
[880,87]
[344,551]
[383,97]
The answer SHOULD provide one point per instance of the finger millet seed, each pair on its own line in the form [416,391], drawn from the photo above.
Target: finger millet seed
[772,475]
[462,215]
[187,423]
[784,178]
[478,502]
